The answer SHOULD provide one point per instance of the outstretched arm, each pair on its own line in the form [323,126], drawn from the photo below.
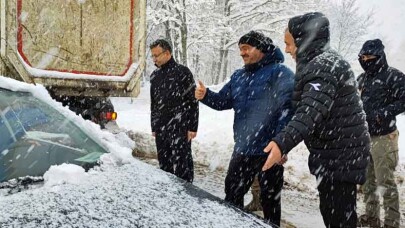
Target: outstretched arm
[218,101]
[314,106]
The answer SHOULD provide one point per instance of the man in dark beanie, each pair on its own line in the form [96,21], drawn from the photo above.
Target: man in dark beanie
[257,40]
[383,94]
[260,94]
[261,43]
[329,118]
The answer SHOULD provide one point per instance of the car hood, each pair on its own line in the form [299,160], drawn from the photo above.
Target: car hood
[133,195]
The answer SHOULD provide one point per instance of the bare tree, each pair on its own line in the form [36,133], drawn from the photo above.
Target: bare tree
[348,26]
[171,14]
[204,33]
[267,16]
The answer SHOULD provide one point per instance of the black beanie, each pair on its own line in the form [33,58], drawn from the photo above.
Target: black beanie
[257,40]
[309,27]
[373,47]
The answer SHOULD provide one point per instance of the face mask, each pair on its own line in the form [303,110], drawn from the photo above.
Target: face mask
[372,65]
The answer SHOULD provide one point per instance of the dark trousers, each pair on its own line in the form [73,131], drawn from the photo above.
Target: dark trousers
[241,172]
[337,203]
[174,154]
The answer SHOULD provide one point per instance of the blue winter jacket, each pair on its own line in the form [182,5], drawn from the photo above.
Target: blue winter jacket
[260,94]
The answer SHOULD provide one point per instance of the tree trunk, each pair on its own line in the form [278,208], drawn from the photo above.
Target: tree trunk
[196,63]
[167,27]
[184,33]
[219,65]
[214,66]
[176,45]
[225,61]
[223,52]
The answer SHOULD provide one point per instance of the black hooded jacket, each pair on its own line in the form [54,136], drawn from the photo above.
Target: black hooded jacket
[173,106]
[382,90]
[329,116]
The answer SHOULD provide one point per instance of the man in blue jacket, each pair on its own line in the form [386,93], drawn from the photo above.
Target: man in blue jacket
[260,94]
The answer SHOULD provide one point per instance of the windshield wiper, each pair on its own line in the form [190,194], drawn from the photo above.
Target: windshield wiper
[20,184]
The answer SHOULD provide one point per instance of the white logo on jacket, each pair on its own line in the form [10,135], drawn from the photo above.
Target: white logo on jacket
[315,85]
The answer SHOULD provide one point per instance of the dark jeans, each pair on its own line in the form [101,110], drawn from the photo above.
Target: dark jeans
[241,172]
[337,202]
[174,154]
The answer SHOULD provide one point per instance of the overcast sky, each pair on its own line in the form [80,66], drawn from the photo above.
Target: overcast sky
[389,26]
[389,20]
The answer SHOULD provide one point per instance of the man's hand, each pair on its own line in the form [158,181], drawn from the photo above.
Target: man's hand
[191,135]
[200,91]
[284,159]
[274,156]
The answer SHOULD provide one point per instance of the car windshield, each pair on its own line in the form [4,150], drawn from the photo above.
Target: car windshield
[35,136]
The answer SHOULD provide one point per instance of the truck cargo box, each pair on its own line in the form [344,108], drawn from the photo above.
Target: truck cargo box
[75,47]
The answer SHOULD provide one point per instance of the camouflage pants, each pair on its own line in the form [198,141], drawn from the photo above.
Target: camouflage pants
[381,180]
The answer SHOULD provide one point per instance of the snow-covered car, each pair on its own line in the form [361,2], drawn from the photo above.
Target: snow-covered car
[121,192]
[37,132]
[35,136]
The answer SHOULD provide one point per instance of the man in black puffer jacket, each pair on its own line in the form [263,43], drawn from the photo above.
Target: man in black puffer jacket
[174,112]
[329,118]
[383,94]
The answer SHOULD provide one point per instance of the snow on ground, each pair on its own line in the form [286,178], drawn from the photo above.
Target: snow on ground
[213,147]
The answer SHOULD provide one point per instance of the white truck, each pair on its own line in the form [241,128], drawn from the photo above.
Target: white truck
[81,51]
